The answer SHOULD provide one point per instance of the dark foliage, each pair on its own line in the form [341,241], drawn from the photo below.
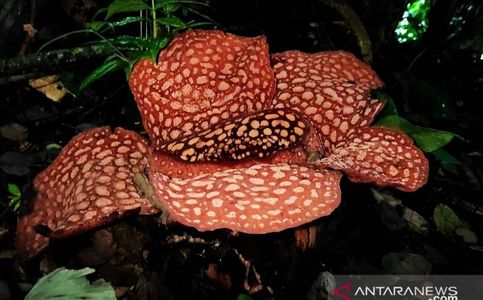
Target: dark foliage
[436,81]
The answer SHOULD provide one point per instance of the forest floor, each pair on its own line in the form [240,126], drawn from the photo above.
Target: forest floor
[374,231]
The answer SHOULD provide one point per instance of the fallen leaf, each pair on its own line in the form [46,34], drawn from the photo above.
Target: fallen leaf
[406,263]
[50,86]
[467,235]
[448,223]
[30,30]
[395,214]
[15,163]
[14,132]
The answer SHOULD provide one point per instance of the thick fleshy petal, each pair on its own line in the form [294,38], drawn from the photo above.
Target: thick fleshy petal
[28,242]
[257,135]
[380,155]
[260,199]
[171,166]
[89,184]
[203,77]
[331,88]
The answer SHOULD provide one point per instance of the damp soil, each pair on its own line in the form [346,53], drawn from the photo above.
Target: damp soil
[434,83]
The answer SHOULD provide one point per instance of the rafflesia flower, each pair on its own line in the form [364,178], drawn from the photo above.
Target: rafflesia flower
[333,90]
[231,130]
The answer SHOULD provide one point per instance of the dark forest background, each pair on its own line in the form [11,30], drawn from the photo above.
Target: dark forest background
[436,81]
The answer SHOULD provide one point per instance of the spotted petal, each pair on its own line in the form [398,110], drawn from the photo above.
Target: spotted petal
[89,184]
[380,155]
[203,77]
[331,88]
[172,166]
[257,135]
[28,242]
[261,199]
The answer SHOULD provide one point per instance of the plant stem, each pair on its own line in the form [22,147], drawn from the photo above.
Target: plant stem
[355,24]
[155,25]
[9,207]
[84,31]
[51,61]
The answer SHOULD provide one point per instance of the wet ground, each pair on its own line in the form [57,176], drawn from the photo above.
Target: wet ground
[374,231]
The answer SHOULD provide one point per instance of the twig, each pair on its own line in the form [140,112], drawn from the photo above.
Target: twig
[416,58]
[29,34]
[355,24]
[21,77]
[51,61]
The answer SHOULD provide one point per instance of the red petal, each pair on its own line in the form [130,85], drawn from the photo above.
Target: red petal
[203,76]
[331,88]
[27,241]
[260,199]
[89,184]
[173,167]
[382,156]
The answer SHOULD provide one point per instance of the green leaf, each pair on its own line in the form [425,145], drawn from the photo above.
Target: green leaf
[133,59]
[99,11]
[167,7]
[129,42]
[414,21]
[389,121]
[110,65]
[243,297]
[96,25]
[14,190]
[198,24]
[427,139]
[445,158]
[428,97]
[449,224]
[172,21]
[14,204]
[152,51]
[156,46]
[123,6]
[70,284]
[446,219]
[467,235]
[390,108]
[99,26]
[127,20]
[15,196]
[161,3]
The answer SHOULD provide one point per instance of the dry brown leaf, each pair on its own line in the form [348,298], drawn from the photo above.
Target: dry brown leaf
[50,86]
